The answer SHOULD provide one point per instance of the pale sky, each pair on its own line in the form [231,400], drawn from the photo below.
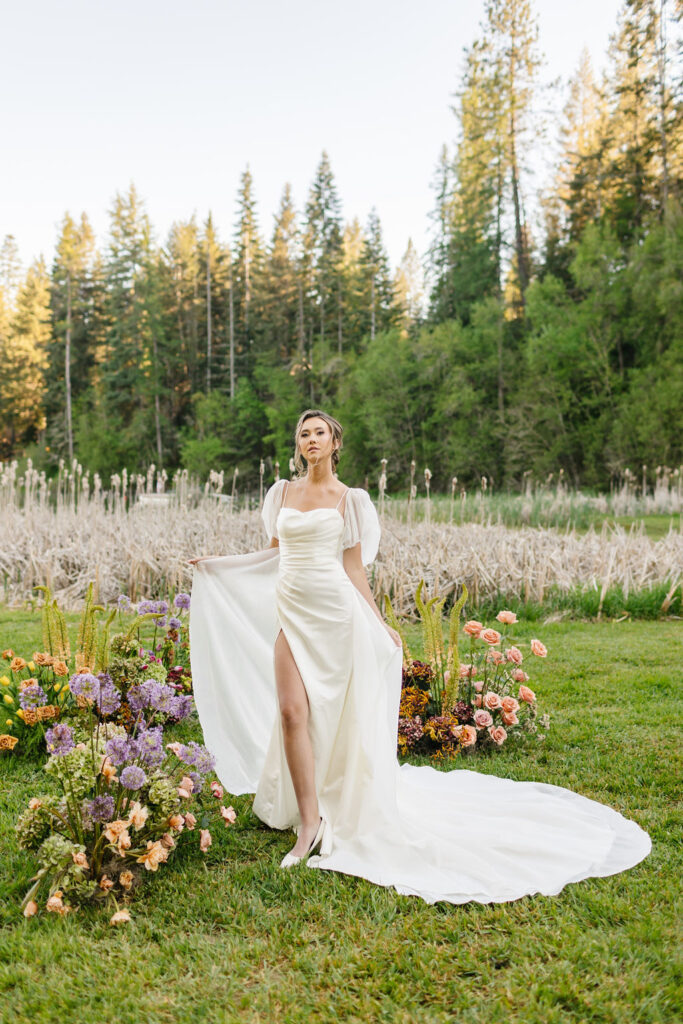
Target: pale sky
[179,97]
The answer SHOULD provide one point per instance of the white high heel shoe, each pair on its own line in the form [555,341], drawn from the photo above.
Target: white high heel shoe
[289,859]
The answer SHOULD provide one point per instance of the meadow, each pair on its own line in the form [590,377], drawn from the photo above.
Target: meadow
[229,937]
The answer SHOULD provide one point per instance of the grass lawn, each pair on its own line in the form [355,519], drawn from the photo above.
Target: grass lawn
[229,937]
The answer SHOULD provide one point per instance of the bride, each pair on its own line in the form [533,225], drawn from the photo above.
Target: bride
[297,683]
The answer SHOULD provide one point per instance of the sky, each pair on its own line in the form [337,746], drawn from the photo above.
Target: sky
[179,97]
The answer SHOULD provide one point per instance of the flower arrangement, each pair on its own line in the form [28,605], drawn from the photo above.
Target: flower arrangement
[123,801]
[448,706]
[35,692]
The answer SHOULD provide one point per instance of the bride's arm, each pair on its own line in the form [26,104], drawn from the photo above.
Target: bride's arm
[356,573]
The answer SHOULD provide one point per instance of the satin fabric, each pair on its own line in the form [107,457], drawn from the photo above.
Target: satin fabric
[454,836]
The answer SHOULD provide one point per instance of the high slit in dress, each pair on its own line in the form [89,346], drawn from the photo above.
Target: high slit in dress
[455,836]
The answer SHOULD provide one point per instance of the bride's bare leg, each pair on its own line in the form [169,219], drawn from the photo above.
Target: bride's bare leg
[293,702]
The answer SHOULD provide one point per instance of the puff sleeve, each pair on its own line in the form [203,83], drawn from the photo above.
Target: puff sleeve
[271,506]
[361,523]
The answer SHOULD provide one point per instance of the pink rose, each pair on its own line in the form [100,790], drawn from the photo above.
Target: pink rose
[217,790]
[185,788]
[468,736]
[482,719]
[509,704]
[509,718]
[498,734]
[477,701]
[228,815]
[539,649]
[508,618]
[473,628]
[526,694]
[520,676]
[491,700]
[467,671]
[190,821]
[490,636]
[204,839]
[175,748]
[514,655]
[495,657]
[478,685]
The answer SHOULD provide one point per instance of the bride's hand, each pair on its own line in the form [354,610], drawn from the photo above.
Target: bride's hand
[394,635]
[193,561]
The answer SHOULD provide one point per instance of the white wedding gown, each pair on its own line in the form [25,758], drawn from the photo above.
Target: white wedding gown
[454,836]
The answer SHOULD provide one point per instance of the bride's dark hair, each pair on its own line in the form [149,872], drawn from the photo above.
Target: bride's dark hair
[336,429]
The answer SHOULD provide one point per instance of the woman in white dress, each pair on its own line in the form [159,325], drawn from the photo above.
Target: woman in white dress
[297,684]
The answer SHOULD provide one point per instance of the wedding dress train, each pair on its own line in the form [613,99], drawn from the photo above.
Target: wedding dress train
[455,836]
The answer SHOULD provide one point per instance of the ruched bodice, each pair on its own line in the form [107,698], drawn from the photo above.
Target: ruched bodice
[309,539]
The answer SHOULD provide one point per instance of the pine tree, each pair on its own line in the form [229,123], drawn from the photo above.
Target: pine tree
[246,271]
[409,288]
[378,291]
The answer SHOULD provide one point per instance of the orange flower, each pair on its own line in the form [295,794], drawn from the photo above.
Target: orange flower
[137,815]
[190,821]
[108,770]
[154,855]
[539,649]
[31,908]
[42,658]
[526,694]
[508,618]
[60,668]
[204,840]
[473,628]
[17,664]
[114,829]
[80,859]
[177,822]
[120,917]
[126,879]
[490,636]
[106,883]
[29,715]
[8,654]
[8,742]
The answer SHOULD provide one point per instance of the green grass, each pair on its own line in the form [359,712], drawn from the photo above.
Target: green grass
[230,937]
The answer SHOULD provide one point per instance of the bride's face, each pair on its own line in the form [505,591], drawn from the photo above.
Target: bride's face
[315,441]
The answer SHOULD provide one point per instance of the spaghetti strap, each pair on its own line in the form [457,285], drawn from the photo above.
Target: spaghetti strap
[284,493]
[343,495]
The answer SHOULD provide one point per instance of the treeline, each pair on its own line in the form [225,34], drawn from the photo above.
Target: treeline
[540,344]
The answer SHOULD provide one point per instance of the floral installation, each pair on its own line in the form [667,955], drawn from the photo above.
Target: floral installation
[35,691]
[448,706]
[122,803]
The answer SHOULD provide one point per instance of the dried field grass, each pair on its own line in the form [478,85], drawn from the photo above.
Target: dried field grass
[143,552]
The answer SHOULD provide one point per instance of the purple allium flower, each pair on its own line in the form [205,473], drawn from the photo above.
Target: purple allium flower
[145,607]
[108,700]
[161,607]
[182,601]
[60,739]
[150,745]
[184,706]
[84,684]
[161,623]
[198,756]
[174,623]
[101,808]
[197,782]
[123,603]
[32,696]
[121,749]
[132,777]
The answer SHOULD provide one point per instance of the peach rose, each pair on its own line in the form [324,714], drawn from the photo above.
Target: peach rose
[477,700]
[185,788]
[31,908]
[175,748]
[204,839]
[498,734]
[507,617]
[490,636]
[482,719]
[495,657]
[8,654]
[467,671]
[106,883]
[520,676]
[34,803]
[177,822]
[60,668]
[17,664]
[56,905]
[514,655]
[217,790]
[491,700]
[526,694]
[509,704]
[539,649]
[42,658]
[509,718]
[154,855]
[190,821]
[468,736]
[167,841]
[228,815]
[126,879]
[80,859]
[115,828]
[120,917]
[473,628]
[137,815]
[123,843]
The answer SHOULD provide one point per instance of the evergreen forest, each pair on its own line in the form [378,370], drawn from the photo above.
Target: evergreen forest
[542,331]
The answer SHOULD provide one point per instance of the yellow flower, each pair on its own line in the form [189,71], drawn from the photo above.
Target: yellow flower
[4,680]
[20,713]
[8,742]
[31,665]
[9,721]
[8,699]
